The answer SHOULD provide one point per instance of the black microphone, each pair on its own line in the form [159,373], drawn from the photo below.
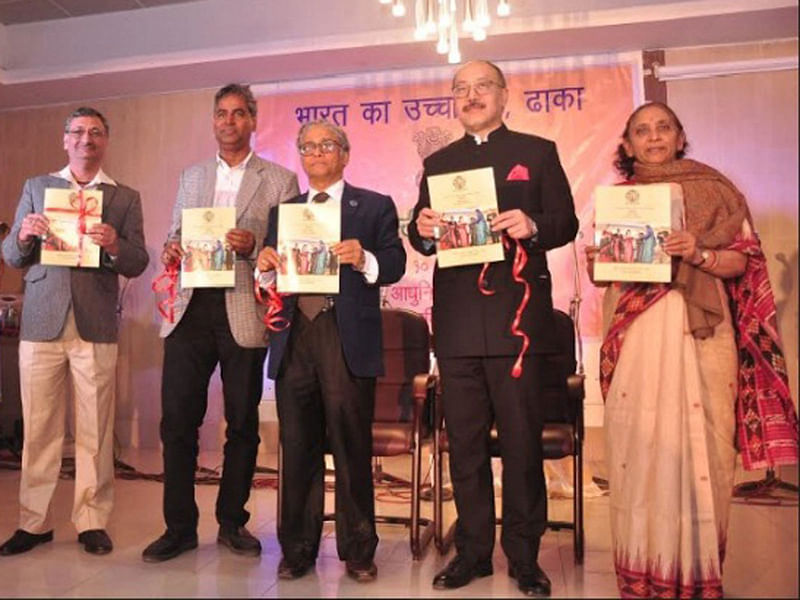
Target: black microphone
[3,228]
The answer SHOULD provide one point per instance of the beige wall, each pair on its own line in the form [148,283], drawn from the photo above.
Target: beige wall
[746,126]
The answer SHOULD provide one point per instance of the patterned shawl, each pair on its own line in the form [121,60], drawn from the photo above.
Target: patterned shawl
[766,421]
[715,211]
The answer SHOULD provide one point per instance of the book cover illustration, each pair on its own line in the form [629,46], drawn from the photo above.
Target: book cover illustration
[467,201]
[208,261]
[631,224]
[306,233]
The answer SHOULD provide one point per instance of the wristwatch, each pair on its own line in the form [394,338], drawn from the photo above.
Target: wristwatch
[704,256]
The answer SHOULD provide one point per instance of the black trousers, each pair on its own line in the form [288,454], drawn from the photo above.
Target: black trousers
[475,393]
[192,351]
[318,396]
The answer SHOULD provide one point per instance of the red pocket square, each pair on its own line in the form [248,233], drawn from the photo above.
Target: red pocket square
[518,173]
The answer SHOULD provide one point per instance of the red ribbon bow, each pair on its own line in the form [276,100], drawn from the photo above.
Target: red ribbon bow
[274,304]
[167,282]
[520,260]
[85,207]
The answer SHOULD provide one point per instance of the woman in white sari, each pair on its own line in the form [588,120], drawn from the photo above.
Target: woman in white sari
[693,377]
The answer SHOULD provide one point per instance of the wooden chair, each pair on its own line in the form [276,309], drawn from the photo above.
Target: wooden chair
[562,436]
[404,399]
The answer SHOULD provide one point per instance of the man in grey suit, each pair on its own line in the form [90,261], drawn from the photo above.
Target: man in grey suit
[69,325]
[218,326]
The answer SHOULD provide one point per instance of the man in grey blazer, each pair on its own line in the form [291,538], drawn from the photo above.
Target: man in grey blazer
[218,326]
[69,325]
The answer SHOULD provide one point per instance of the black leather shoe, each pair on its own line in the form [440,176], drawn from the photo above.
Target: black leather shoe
[459,572]
[95,541]
[168,546]
[22,541]
[294,569]
[361,571]
[531,581]
[239,540]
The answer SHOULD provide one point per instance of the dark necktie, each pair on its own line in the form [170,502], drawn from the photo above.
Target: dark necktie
[312,304]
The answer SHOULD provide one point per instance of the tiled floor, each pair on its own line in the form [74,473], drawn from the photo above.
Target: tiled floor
[762,553]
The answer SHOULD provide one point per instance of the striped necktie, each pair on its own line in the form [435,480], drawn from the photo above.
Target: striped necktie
[312,304]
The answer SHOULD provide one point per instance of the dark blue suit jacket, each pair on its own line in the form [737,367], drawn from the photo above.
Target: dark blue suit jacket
[372,219]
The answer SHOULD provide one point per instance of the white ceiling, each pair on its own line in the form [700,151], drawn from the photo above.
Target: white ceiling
[109,48]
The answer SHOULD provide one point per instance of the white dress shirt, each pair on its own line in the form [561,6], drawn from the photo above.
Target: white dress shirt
[229,180]
[99,177]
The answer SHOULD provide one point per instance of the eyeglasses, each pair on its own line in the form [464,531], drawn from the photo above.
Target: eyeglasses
[325,146]
[661,127]
[94,133]
[481,88]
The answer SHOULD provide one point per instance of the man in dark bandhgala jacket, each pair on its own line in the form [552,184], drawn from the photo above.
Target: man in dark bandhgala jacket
[472,327]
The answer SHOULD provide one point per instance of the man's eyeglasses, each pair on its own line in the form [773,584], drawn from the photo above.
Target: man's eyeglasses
[325,146]
[481,88]
[94,133]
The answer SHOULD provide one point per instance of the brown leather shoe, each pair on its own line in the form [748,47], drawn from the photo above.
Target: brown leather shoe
[362,571]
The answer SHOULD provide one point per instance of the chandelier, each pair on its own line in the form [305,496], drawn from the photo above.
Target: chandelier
[440,19]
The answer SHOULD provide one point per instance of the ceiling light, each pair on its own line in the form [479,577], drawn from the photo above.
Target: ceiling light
[442,18]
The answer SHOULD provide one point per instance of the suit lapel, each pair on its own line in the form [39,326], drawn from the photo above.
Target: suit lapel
[57,182]
[109,191]
[351,204]
[209,184]
[250,184]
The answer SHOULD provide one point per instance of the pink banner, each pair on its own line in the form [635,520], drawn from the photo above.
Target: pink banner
[393,126]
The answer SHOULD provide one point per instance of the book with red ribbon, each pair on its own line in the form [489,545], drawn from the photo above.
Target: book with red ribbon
[71,214]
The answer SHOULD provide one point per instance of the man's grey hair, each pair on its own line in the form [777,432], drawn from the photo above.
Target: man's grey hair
[338,133]
[243,91]
[86,111]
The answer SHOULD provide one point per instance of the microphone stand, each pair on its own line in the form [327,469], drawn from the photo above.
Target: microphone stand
[763,488]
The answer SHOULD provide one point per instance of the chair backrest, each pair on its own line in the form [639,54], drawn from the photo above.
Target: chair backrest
[558,407]
[406,353]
